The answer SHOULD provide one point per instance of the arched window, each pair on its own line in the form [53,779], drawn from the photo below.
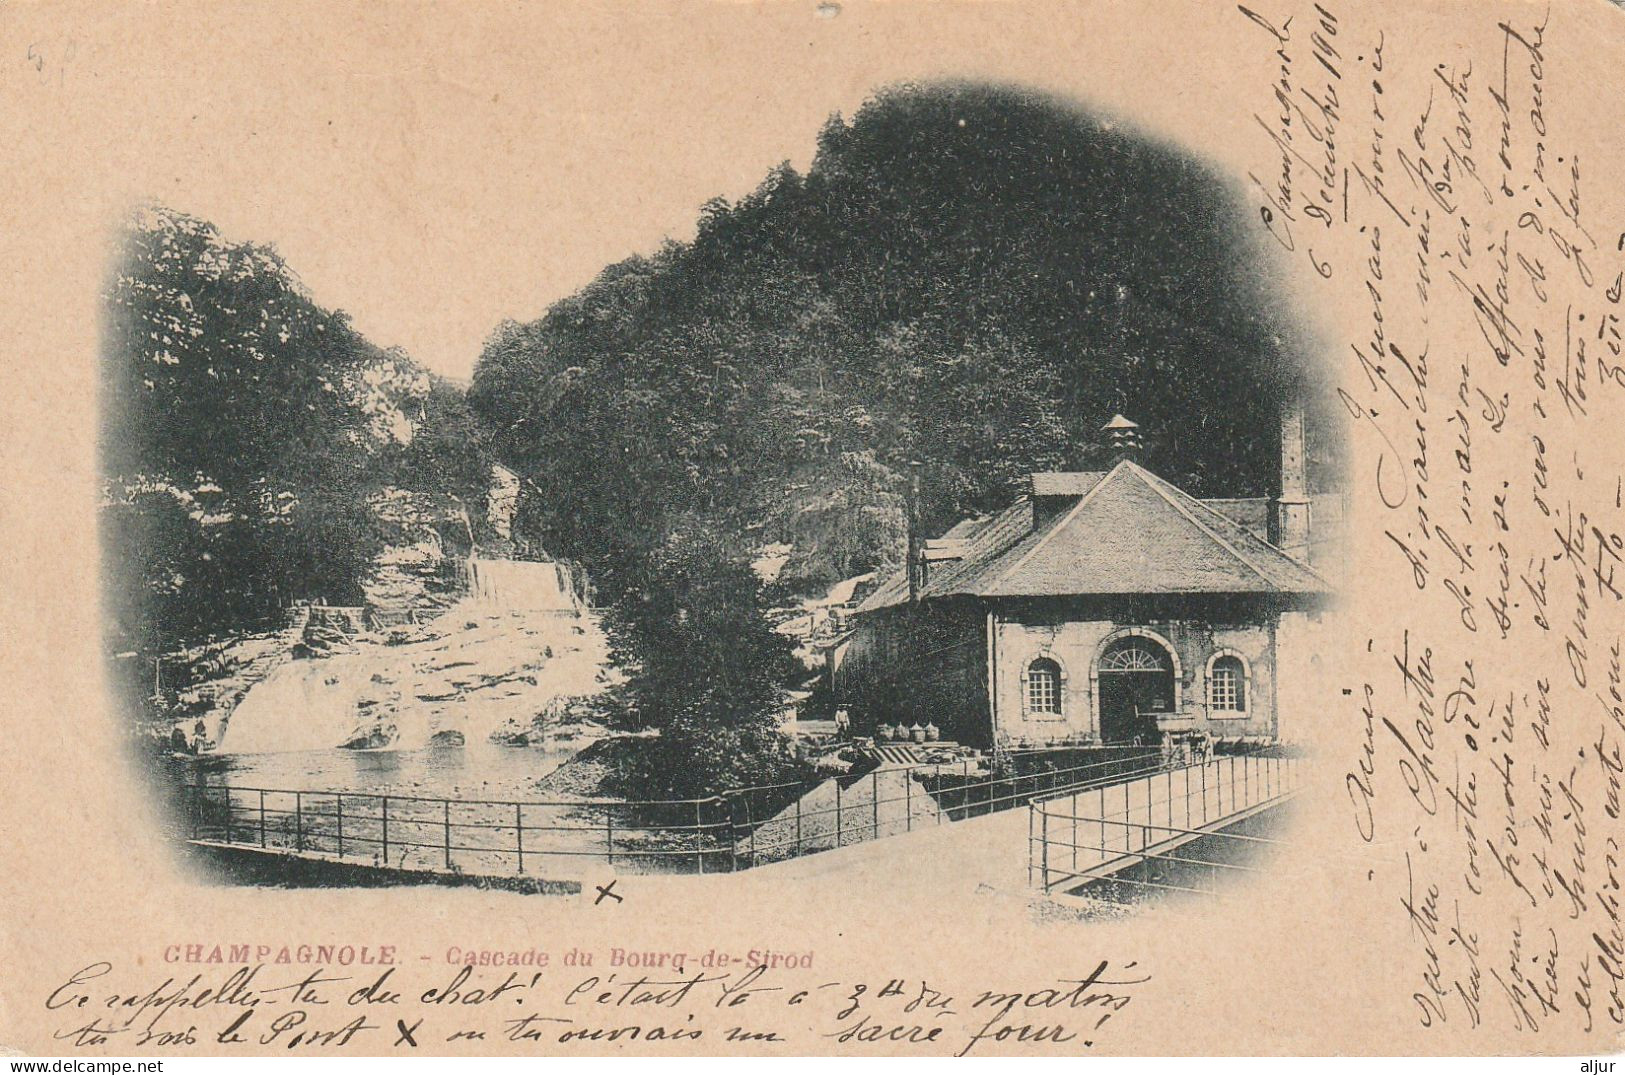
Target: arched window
[1044,688]
[1133,658]
[1227,685]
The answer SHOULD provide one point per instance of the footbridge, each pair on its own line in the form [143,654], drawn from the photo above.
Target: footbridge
[1177,830]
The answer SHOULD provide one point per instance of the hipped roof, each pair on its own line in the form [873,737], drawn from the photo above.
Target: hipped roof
[1130,532]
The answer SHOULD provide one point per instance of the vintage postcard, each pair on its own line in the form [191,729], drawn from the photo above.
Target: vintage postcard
[1032,528]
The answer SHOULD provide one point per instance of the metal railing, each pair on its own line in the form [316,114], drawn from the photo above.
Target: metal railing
[775,822]
[1164,831]
[466,836]
[739,829]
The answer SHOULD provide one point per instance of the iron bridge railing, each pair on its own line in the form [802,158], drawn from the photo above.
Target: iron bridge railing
[733,831]
[1164,831]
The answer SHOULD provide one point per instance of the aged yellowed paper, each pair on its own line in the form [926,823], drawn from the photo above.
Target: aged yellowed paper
[1028,528]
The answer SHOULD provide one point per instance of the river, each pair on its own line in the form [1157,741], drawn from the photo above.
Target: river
[474,771]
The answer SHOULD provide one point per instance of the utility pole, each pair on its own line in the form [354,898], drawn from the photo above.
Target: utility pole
[913,523]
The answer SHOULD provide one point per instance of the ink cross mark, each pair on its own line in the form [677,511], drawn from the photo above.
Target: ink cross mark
[406,1032]
[606,890]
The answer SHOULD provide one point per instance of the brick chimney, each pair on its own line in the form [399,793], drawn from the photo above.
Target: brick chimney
[1289,515]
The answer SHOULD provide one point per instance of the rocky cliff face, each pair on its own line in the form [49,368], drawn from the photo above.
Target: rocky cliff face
[419,572]
[392,391]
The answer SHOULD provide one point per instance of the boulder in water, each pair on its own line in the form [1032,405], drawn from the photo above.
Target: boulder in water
[376,737]
[515,733]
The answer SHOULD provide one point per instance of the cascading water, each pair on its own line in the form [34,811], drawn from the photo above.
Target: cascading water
[301,705]
[536,586]
[495,667]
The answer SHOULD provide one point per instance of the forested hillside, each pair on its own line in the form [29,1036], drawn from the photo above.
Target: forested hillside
[245,429]
[968,277]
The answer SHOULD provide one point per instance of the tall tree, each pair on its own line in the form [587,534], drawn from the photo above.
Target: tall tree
[242,433]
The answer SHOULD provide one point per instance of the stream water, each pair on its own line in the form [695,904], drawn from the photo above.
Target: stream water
[449,701]
[475,771]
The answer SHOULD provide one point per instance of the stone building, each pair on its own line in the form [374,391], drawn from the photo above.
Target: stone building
[1102,607]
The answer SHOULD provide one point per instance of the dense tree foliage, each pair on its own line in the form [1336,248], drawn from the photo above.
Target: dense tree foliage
[968,277]
[448,451]
[244,428]
[708,671]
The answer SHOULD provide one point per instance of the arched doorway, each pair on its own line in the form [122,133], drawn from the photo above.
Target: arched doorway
[1136,684]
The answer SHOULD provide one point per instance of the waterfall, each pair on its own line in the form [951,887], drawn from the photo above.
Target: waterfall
[523,585]
[486,668]
[302,705]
